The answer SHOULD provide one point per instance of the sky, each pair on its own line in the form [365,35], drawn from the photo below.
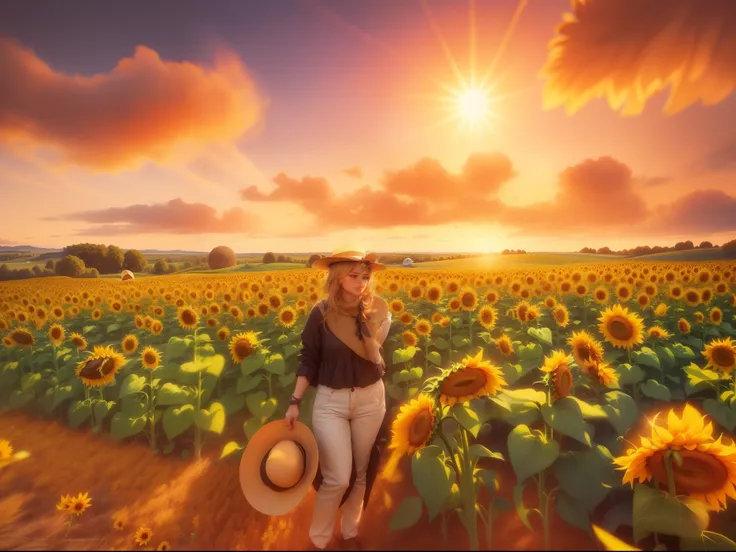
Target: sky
[325,125]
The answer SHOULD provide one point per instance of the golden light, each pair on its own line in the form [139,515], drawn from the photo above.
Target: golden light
[471,99]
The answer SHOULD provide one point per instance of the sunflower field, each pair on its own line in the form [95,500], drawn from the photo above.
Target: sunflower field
[607,389]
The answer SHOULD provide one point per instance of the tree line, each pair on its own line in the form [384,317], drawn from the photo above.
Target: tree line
[729,248]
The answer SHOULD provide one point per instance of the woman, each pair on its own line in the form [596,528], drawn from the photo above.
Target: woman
[341,357]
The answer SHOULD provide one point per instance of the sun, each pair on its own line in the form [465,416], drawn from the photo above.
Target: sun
[473,105]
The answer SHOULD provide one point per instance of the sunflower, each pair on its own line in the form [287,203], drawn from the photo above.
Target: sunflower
[163,545]
[406,318]
[118,523]
[396,306]
[585,349]
[661,310]
[721,355]
[188,318]
[157,327]
[550,302]
[242,345]
[703,468]
[287,317]
[620,327]
[557,365]
[22,338]
[129,344]
[423,327]
[471,378]
[683,326]
[692,297]
[409,338]
[99,368]
[56,334]
[602,373]
[601,295]
[143,536]
[715,316]
[65,502]
[561,315]
[78,340]
[96,314]
[411,430]
[643,300]
[150,358]
[468,299]
[504,345]
[223,333]
[487,317]
[658,332]
[434,293]
[7,342]
[79,504]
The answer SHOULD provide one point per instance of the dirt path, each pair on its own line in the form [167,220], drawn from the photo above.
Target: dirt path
[191,505]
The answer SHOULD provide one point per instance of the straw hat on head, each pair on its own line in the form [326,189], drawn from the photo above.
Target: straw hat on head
[278,466]
[354,256]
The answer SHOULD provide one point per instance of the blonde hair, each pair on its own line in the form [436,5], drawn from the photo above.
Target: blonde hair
[333,289]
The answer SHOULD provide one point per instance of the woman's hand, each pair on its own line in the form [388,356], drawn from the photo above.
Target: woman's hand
[292,413]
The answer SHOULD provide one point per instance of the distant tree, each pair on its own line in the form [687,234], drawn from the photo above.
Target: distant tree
[604,250]
[114,259]
[269,258]
[684,246]
[37,270]
[71,266]
[91,273]
[134,261]
[313,257]
[50,264]
[729,248]
[705,245]
[92,254]
[221,257]
[161,267]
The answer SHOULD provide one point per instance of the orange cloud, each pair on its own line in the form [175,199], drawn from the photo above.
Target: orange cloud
[355,172]
[594,194]
[8,242]
[173,217]
[626,51]
[423,194]
[701,211]
[135,112]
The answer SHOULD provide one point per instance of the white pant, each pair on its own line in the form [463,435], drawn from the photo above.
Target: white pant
[345,423]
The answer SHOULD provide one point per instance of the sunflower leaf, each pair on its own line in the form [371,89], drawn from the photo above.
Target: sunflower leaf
[529,452]
[275,364]
[171,394]
[408,513]
[656,511]
[566,417]
[647,357]
[708,540]
[435,358]
[404,355]
[543,335]
[572,511]
[467,417]
[583,475]
[621,409]
[230,448]
[432,479]
[177,419]
[440,343]
[682,351]
[655,390]
[521,510]
[252,363]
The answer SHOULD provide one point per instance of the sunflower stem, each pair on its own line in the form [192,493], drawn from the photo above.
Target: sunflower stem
[670,474]
[151,411]
[467,492]
[56,360]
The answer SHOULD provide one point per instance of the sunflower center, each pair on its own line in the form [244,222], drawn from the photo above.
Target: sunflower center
[723,356]
[188,317]
[563,381]
[420,428]
[22,338]
[464,382]
[620,328]
[700,472]
[243,348]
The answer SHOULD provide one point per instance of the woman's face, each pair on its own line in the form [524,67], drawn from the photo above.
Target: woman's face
[356,280]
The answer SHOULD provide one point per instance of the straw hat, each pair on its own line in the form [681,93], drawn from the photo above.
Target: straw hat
[278,466]
[127,275]
[355,256]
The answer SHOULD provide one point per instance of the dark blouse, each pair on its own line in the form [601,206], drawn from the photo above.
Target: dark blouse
[325,360]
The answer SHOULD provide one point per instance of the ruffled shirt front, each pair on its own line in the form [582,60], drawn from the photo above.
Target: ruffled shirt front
[325,360]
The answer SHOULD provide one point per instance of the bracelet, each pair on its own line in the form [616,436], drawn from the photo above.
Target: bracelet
[294,401]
